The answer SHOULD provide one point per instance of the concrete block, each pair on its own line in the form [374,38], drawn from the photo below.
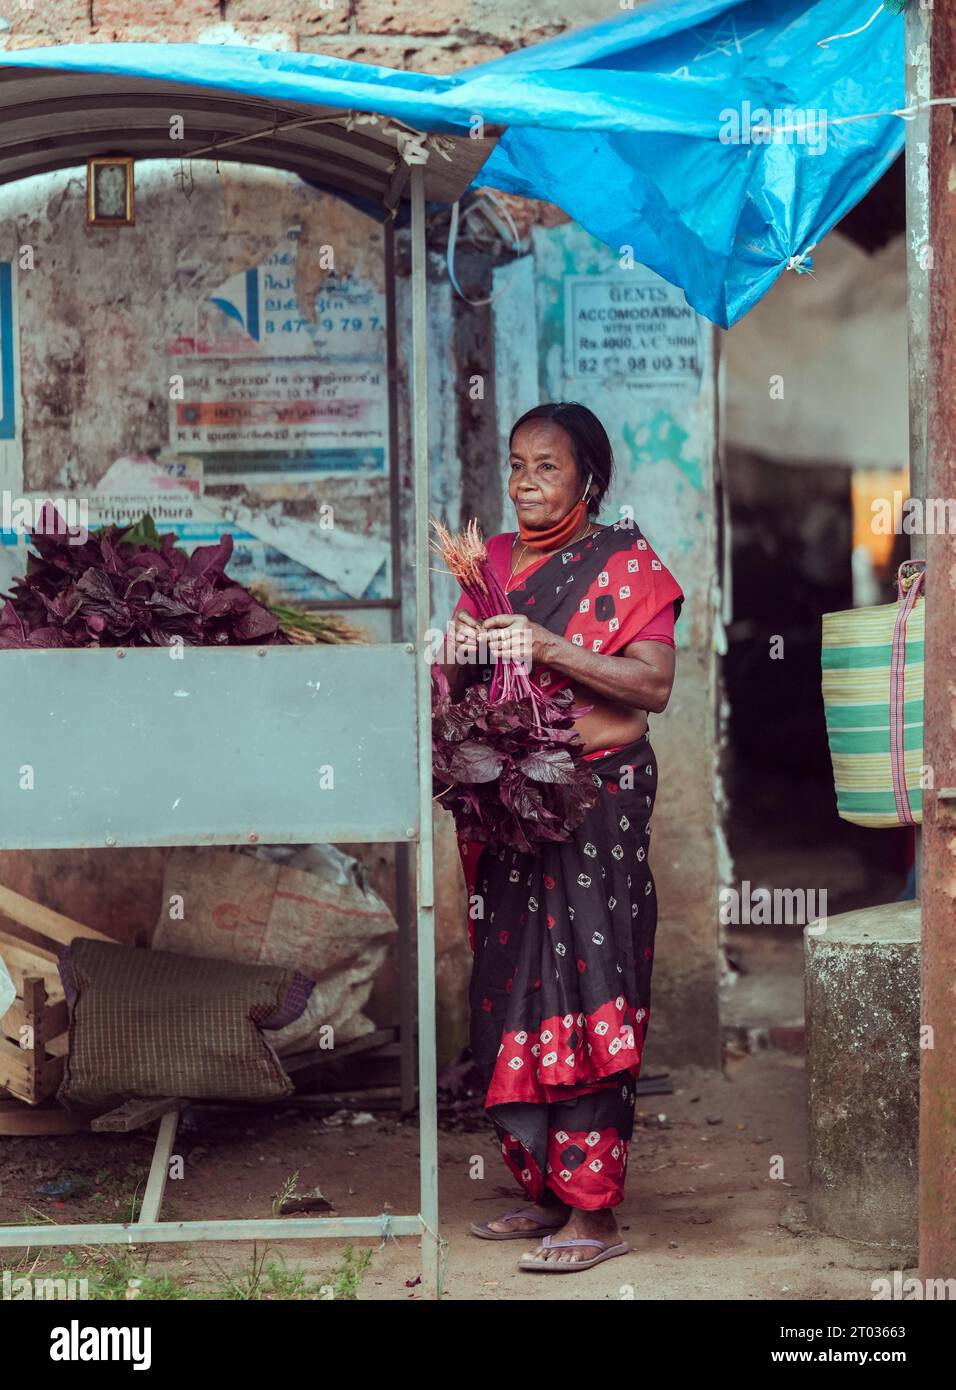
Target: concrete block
[863,1052]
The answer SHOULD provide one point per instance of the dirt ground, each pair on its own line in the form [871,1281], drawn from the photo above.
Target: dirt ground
[705,1215]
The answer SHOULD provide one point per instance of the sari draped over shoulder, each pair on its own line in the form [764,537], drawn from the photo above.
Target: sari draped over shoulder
[564,937]
[600,593]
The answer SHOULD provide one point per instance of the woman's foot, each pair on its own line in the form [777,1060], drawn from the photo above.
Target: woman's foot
[579,1225]
[534,1216]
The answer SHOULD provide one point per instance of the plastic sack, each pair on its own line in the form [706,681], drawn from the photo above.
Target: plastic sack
[304,907]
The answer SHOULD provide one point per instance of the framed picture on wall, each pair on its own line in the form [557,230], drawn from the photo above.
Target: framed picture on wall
[109,191]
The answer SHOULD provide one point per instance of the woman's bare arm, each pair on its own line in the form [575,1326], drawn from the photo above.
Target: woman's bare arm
[641,676]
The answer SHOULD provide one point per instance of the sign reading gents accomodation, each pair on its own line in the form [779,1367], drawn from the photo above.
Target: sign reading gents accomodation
[634,327]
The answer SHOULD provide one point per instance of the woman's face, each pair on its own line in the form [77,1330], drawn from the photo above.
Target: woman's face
[545,483]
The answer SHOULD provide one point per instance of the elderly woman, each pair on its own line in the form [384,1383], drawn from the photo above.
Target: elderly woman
[560,986]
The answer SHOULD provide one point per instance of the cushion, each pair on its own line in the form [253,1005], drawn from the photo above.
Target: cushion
[151,1023]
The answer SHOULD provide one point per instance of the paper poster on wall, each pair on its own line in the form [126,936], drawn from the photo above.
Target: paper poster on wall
[266,388]
[633,327]
[285,418]
[312,565]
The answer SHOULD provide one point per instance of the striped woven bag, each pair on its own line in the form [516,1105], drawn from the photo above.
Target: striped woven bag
[873,701]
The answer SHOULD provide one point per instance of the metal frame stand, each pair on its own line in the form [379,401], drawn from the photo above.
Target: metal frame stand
[149,1229]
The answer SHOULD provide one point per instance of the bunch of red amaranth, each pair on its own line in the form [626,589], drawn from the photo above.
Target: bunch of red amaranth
[506,757]
[129,587]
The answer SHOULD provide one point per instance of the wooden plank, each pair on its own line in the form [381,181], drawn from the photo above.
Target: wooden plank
[42,954]
[133,1114]
[44,920]
[158,1170]
[19,1119]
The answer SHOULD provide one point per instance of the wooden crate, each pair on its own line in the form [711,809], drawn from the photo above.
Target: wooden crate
[33,1044]
[34,1032]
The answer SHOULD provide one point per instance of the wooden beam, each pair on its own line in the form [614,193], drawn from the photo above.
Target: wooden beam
[133,1114]
[8,941]
[158,1171]
[44,920]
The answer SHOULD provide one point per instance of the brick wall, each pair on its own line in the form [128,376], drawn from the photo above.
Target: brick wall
[440,37]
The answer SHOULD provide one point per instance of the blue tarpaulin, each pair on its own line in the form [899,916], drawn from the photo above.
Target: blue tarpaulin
[707,139]
[678,180]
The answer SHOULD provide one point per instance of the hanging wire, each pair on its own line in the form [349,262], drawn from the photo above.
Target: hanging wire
[181,175]
[453,239]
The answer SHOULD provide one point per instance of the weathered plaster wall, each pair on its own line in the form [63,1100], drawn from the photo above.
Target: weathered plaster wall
[98,305]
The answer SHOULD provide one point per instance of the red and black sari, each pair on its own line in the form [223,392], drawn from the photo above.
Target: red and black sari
[564,943]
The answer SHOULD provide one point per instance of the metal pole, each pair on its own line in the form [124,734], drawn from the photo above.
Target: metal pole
[937,1202]
[918,256]
[917,21]
[427,1068]
[400,626]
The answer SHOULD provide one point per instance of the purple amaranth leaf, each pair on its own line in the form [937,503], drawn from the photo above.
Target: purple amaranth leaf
[47,637]
[209,561]
[476,762]
[548,765]
[256,624]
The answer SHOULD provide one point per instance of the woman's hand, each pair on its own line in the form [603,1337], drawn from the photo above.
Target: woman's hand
[464,631]
[513,637]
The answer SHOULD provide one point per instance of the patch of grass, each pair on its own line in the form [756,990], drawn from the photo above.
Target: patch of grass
[270,1280]
[347,1277]
[112,1277]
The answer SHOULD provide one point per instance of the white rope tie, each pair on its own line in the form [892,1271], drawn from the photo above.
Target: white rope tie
[803,262]
[825,43]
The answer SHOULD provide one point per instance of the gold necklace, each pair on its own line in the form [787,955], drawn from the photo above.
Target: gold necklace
[573,541]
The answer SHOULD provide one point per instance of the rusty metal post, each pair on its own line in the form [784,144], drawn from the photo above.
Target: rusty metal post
[918,22]
[938,891]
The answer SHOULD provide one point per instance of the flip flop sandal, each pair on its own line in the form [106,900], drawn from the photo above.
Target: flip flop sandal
[534,1266]
[484,1231]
